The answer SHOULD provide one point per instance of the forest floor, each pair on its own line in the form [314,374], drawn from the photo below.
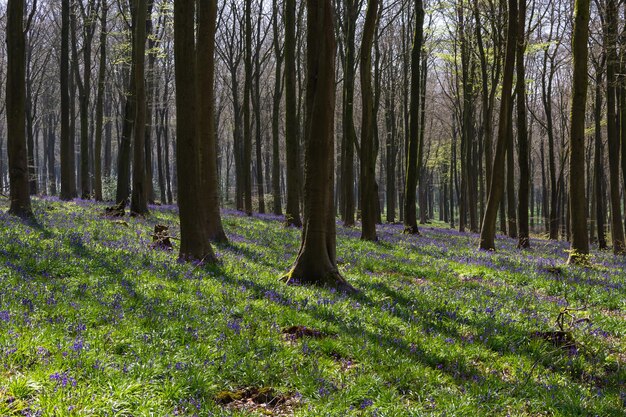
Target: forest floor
[95,322]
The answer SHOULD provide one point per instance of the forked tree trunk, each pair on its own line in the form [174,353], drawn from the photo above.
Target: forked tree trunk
[316,261]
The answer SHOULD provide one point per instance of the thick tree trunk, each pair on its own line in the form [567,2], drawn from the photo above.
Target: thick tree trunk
[16,110]
[139,198]
[496,188]
[205,73]
[316,261]
[369,197]
[578,203]
[194,238]
[410,212]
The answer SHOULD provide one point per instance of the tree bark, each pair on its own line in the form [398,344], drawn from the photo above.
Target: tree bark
[205,73]
[68,176]
[617,231]
[278,91]
[410,212]
[598,163]
[139,198]
[316,261]
[496,188]
[194,239]
[579,250]
[97,185]
[247,126]
[16,110]
[292,154]
[368,152]
[522,132]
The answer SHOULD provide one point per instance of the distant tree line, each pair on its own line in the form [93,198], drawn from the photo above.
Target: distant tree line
[469,112]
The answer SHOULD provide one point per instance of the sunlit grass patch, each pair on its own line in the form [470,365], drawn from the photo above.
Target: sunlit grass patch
[94,321]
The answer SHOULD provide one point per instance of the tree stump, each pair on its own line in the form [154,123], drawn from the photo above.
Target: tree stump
[161,237]
[117,210]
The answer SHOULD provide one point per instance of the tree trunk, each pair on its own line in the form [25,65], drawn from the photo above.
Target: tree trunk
[510,180]
[194,238]
[617,231]
[578,202]
[50,156]
[68,178]
[350,16]
[598,163]
[410,212]
[205,73]
[277,206]
[139,198]
[316,261]
[16,109]
[522,131]
[369,197]
[247,126]
[496,188]
[97,185]
[292,153]
[123,166]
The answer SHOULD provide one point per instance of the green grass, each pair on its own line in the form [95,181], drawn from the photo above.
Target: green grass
[93,322]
